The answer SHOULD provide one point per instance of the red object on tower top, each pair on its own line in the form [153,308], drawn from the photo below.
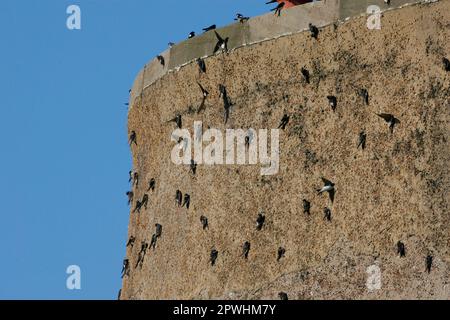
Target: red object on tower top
[292,3]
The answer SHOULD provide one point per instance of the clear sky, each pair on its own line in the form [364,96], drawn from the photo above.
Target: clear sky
[65,160]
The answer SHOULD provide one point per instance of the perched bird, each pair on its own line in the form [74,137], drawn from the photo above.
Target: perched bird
[178,198]
[260,221]
[401,249]
[136,179]
[284,122]
[191,35]
[222,44]
[161,60]
[313,30]
[204,222]
[131,241]
[130,195]
[246,249]
[446,63]
[332,100]
[151,184]
[138,207]
[306,206]
[186,201]
[226,102]
[328,187]
[281,252]
[305,74]
[327,213]
[212,27]
[390,119]
[193,167]
[144,201]
[153,242]
[201,65]
[132,138]
[363,93]
[283,296]
[158,230]
[429,263]
[119,294]
[241,18]
[205,94]
[130,174]
[177,120]
[141,254]
[171,44]
[278,8]
[362,140]
[125,268]
[213,256]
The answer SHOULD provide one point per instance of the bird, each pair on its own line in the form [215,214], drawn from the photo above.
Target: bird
[171,44]
[178,197]
[332,100]
[119,294]
[193,167]
[281,252]
[222,44]
[211,27]
[278,8]
[327,213]
[141,254]
[283,296]
[191,35]
[241,18]
[362,140]
[260,221]
[131,241]
[178,121]
[246,249]
[130,174]
[138,207]
[305,74]
[226,102]
[306,206]
[313,30]
[158,230]
[201,65]
[144,201]
[401,249]
[136,179]
[125,267]
[363,93]
[204,222]
[151,184]
[284,122]
[186,201]
[390,119]
[130,195]
[205,94]
[153,241]
[429,263]
[446,63]
[161,60]
[213,256]
[132,138]
[328,187]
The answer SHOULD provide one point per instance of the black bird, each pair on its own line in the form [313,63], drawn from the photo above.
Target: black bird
[178,121]
[429,263]
[328,187]
[446,63]
[247,141]
[136,179]
[246,249]
[283,296]
[362,140]
[186,201]
[191,35]
[158,230]
[260,221]
[390,119]
[161,60]
[332,100]
[313,30]
[278,8]
[201,65]
[130,173]
[222,44]
[305,74]
[132,138]
[213,256]
[363,93]
[138,207]
[119,294]
[193,167]
[205,94]
[141,254]
[178,198]
[327,213]
[241,18]
[125,268]
[226,102]
[306,206]
[401,249]
[151,184]
[144,201]
[171,44]
[131,241]
[204,221]
[284,122]
[153,242]
[130,195]
[281,252]
[212,27]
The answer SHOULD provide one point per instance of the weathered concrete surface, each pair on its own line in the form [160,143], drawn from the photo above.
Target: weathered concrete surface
[396,189]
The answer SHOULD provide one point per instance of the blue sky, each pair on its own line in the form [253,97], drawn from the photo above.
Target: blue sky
[65,160]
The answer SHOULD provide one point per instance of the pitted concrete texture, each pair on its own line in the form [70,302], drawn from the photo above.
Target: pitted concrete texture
[397,189]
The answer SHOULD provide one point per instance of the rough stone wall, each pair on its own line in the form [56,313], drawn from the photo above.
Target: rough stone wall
[394,190]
